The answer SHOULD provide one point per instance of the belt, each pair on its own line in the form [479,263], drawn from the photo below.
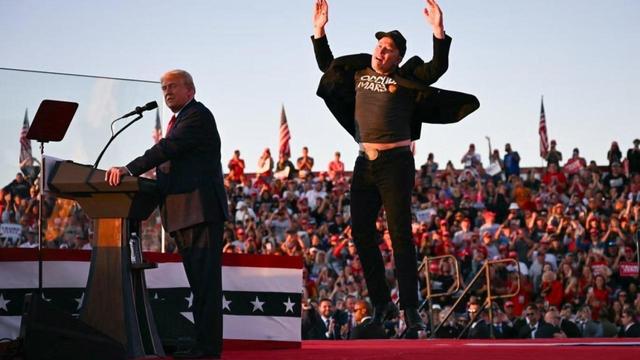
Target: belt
[372,154]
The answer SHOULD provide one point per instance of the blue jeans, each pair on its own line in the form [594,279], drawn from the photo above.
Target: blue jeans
[386,181]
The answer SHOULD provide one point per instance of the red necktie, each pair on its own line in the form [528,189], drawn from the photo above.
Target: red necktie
[170,125]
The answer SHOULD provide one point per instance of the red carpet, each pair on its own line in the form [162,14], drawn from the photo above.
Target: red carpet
[585,349]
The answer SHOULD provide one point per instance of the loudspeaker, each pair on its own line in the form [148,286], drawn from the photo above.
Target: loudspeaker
[49,333]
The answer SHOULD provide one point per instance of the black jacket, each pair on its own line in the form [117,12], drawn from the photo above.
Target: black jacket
[368,330]
[189,171]
[633,331]
[433,106]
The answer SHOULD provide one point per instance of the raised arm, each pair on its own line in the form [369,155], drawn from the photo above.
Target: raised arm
[324,57]
[320,18]
[431,71]
[433,14]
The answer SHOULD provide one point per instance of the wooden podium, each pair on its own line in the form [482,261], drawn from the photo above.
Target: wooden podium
[115,300]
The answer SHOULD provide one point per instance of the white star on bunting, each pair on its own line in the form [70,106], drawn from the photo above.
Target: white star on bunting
[225,303]
[257,304]
[79,300]
[289,305]
[3,303]
[189,300]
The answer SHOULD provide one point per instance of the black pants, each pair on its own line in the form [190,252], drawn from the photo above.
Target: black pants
[388,180]
[201,251]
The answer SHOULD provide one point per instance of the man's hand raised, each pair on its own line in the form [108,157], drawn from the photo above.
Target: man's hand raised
[320,18]
[433,14]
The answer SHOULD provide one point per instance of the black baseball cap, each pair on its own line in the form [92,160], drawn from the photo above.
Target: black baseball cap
[398,39]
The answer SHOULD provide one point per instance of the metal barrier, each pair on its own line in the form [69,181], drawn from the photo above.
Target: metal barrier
[429,297]
[485,269]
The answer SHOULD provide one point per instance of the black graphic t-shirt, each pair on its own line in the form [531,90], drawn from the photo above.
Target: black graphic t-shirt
[383,109]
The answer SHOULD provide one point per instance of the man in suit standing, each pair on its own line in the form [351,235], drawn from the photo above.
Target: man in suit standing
[630,328]
[193,202]
[550,328]
[321,324]
[362,314]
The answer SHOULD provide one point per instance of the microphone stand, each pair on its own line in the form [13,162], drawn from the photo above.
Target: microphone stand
[95,166]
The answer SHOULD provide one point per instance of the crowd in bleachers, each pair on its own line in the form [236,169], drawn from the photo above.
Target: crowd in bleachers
[572,228]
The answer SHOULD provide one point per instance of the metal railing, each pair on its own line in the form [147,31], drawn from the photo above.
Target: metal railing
[430,296]
[488,303]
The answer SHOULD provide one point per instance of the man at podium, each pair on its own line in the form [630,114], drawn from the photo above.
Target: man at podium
[193,202]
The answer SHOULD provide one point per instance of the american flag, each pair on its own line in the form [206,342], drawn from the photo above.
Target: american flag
[285,135]
[157,131]
[542,130]
[26,159]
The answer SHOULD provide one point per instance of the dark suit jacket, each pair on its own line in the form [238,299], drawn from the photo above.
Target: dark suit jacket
[314,328]
[524,332]
[504,331]
[546,331]
[479,330]
[367,330]
[570,328]
[434,106]
[633,331]
[189,171]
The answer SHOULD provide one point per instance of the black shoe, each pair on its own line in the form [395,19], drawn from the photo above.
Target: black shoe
[413,320]
[194,354]
[384,312]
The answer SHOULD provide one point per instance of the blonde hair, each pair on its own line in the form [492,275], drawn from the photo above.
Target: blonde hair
[185,76]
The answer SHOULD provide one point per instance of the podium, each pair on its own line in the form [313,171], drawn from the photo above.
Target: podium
[115,300]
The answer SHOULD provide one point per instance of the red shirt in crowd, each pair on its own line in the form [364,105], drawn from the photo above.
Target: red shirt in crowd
[236,169]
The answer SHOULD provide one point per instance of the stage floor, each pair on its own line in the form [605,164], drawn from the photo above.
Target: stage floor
[566,349]
[582,349]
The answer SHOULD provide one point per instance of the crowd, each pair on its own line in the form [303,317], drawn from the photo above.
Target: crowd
[572,227]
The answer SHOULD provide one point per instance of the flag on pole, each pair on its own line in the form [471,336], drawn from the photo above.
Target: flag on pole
[26,159]
[157,131]
[285,135]
[542,130]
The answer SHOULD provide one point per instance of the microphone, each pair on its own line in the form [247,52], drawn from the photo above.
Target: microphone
[140,109]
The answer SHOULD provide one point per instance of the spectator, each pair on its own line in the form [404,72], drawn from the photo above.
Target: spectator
[551,326]
[336,168]
[284,168]
[364,329]
[315,195]
[609,329]
[566,322]
[616,180]
[630,328]
[319,324]
[553,156]
[304,164]
[511,161]
[575,163]
[471,158]
[236,168]
[633,158]
[529,327]
[588,327]
[19,186]
[614,155]
[265,166]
